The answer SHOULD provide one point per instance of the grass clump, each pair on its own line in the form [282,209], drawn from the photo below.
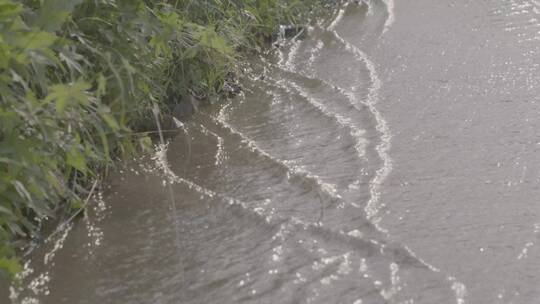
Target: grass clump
[78,76]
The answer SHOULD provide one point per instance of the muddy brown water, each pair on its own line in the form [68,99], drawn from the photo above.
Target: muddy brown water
[391,156]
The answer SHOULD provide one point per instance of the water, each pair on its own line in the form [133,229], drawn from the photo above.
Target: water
[389,157]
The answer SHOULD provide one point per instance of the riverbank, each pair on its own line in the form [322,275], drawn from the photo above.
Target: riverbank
[79,80]
[266,204]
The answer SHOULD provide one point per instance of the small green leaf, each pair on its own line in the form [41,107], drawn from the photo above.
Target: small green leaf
[76,159]
[76,205]
[220,45]
[64,94]
[35,40]
[102,85]
[145,143]
[111,121]
[9,9]
[190,53]
[53,13]
[10,266]
[53,180]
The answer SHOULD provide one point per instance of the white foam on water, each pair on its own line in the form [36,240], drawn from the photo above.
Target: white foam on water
[337,20]
[344,267]
[459,289]
[58,244]
[160,158]
[428,265]
[391,17]
[521,18]
[220,148]
[395,286]
[314,52]
[162,165]
[281,41]
[177,123]
[373,205]
[38,286]
[293,52]
[356,132]
[95,233]
[525,250]
[292,168]
[355,233]
[363,266]
[277,253]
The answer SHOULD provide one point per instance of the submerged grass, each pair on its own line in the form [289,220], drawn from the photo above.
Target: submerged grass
[77,77]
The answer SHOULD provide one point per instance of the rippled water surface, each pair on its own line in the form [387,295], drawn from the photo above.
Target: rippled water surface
[390,156]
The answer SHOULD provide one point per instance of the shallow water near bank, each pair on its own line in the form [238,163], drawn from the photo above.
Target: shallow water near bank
[391,156]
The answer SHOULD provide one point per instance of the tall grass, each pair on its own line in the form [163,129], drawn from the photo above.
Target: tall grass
[78,76]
